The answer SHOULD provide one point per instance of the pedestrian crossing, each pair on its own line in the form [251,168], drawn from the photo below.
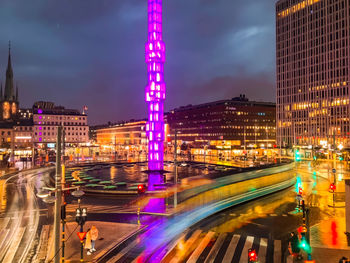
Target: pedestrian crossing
[207,247]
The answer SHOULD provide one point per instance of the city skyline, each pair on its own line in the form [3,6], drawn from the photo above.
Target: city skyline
[69,54]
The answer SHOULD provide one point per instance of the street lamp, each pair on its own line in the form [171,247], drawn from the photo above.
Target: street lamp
[45,193]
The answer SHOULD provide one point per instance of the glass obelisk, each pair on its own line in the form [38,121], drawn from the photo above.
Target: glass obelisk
[155,92]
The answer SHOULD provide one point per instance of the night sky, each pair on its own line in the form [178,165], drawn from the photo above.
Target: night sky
[91,52]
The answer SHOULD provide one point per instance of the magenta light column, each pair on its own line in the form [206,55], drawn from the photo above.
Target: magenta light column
[155,89]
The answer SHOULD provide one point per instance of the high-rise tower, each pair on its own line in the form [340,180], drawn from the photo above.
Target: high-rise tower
[312,45]
[155,89]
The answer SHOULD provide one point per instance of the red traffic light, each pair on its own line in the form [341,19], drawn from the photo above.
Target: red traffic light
[141,188]
[332,187]
[300,191]
[252,255]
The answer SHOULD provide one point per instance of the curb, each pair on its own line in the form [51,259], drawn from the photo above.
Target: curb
[110,249]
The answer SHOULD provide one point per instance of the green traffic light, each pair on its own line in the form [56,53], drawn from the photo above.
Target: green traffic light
[305,246]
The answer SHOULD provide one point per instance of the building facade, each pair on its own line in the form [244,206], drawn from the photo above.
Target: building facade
[47,117]
[312,45]
[226,124]
[127,137]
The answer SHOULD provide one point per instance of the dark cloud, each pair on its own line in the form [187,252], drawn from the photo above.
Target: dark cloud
[89,52]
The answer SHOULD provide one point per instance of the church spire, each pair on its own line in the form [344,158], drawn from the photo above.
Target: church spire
[9,89]
[16,91]
[1,92]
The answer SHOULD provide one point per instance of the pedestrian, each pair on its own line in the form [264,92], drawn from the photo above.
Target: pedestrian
[88,242]
[93,235]
[293,246]
[343,260]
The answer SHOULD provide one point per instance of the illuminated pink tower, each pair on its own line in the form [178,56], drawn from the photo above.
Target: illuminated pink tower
[155,91]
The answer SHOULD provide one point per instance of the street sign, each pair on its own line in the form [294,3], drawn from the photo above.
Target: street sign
[334,171]
[81,235]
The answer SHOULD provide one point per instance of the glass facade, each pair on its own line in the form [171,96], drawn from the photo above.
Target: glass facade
[312,45]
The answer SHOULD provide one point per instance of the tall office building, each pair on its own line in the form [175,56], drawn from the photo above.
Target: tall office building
[312,45]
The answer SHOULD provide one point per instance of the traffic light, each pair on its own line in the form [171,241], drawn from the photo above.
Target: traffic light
[341,158]
[141,189]
[252,256]
[81,215]
[297,155]
[332,187]
[300,191]
[63,211]
[304,244]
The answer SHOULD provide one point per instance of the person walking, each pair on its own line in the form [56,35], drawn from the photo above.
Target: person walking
[88,242]
[93,234]
[293,246]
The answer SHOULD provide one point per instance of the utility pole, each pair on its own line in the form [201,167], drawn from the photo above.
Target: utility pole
[58,196]
[63,183]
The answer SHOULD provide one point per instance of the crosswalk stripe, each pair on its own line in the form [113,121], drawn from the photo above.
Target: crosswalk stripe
[262,250]
[231,249]
[14,245]
[215,249]
[290,259]
[277,256]
[203,244]
[187,245]
[170,247]
[248,244]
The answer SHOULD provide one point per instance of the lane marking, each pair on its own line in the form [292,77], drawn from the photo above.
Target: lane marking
[277,256]
[198,251]
[231,249]
[248,244]
[187,246]
[262,250]
[170,247]
[215,249]
[290,259]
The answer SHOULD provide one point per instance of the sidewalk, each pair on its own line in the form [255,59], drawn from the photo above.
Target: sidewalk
[328,240]
[110,234]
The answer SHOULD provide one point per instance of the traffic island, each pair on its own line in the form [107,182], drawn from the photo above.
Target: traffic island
[110,235]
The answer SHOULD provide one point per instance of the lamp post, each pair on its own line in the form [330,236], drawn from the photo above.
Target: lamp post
[45,194]
[175,168]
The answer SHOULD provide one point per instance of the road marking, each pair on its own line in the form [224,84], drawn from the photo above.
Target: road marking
[290,259]
[262,250]
[248,244]
[198,251]
[215,249]
[187,245]
[14,245]
[170,247]
[277,256]
[231,249]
